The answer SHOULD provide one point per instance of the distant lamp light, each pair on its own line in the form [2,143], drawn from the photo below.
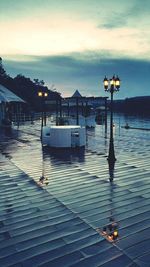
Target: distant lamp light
[112,82]
[40,93]
[110,238]
[43,95]
[115,234]
[117,83]
[105,81]
[104,230]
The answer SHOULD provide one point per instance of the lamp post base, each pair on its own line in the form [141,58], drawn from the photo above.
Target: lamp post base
[111,157]
[111,164]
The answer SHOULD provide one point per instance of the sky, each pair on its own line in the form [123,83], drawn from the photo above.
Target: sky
[73,44]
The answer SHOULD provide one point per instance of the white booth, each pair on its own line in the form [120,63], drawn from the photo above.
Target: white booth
[64,136]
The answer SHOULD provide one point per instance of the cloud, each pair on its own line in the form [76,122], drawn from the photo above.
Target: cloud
[85,72]
[119,14]
[61,35]
[123,28]
[116,20]
[62,44]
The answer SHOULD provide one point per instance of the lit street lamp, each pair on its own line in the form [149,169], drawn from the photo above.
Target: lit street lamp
[111,86]
[43,96]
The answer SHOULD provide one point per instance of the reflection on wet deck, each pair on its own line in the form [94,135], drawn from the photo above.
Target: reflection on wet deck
[54,222]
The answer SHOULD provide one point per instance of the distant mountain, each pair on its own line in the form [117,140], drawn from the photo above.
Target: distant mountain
[138,104]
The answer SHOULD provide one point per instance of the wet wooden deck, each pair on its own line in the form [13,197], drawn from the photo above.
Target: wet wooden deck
[54,224]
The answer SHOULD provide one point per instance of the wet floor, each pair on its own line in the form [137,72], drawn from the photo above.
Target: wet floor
[54,221]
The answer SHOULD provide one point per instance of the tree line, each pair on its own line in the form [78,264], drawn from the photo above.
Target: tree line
[26,88]
[133,105]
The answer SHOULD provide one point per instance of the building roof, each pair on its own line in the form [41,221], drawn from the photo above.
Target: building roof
[76,94]
[8,96]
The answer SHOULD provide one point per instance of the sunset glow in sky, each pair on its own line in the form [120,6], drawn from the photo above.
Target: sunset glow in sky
[73,44]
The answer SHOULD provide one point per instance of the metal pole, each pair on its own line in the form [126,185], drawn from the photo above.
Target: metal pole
[111,156]
[86,109]
[68,114]
[60,108]
[42,125]
[77,107]
[56,112]
[83,108]
[44,107]
[105,116]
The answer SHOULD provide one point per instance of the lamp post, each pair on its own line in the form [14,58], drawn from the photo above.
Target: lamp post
[43,95]
[111,86]
[77,110]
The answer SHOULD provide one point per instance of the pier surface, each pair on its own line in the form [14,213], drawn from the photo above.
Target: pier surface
[54,221]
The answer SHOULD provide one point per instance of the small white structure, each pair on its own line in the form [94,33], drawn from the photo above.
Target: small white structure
[64,136]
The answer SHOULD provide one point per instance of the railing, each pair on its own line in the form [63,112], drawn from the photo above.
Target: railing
[28,117]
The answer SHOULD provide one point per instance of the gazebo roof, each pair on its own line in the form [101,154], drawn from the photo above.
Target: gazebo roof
[76,94]
[8,96]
